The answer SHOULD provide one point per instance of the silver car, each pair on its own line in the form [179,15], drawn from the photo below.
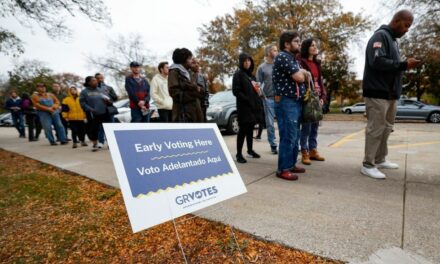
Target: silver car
[356,108]
[415,110]
[222,110]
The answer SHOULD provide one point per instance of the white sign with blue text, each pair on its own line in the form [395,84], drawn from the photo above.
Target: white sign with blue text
[169,170]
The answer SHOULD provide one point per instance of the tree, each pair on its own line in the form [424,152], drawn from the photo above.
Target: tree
[68,79]
[25,75]
[49,15]
[120,52]
[260,23]
[422,41]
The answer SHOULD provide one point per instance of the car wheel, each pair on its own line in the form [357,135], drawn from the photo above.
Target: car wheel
[233,124]
[348,111]
[434,117]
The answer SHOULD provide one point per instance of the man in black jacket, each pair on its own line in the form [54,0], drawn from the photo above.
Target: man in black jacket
[382,86]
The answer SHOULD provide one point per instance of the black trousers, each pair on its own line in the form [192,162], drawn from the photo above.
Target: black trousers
[94,124]
[78,130]
[165,116]
[34,126]
[245,131]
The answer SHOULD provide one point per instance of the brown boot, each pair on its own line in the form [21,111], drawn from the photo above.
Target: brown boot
[305,157]
[314,155]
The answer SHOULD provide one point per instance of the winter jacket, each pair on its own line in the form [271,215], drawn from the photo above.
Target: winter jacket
[160,93]
[75,112]
[186,97]
[11,102]
[137,91]
[109,91]
[249,104]
[383,67]
[322,91]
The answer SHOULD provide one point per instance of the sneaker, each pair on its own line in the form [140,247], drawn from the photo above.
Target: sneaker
[253,154]
[95,147]
[387,165]
[287,175]
[100,145]
[240,158]
[74,145]
[274,150]
[372,172]
[84,144]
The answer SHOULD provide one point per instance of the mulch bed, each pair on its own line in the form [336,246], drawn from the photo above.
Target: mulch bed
[51,216]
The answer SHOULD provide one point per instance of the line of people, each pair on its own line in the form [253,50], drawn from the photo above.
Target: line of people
[278,91]
[180,94]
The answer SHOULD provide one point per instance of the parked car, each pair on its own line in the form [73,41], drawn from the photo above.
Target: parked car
[415,110]
[222,110]
[6,119]
[356,108]
[124,115]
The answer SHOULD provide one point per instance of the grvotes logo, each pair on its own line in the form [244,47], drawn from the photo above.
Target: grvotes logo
[196,196]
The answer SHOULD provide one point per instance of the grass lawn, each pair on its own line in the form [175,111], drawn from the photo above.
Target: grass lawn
[51,216]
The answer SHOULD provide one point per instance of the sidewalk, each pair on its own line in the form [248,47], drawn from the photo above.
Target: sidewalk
[332,210]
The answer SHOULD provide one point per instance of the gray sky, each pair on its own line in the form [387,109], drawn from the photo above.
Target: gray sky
[164,25]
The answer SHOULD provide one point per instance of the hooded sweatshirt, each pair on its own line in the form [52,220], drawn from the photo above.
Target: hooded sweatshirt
[383,67]
[92,101]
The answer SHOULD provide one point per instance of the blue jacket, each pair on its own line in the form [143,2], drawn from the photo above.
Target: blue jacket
[13,103]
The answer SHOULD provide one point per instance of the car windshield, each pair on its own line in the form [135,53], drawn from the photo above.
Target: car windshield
[121,103]
[222,97]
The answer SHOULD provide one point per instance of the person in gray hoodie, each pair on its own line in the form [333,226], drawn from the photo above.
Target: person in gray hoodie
[94,103]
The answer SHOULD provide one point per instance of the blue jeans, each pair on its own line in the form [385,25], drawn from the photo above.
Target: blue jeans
[18,122]
[101,134]
[48,119]
[269,112]
[309,133]
[138,117]
[288,112]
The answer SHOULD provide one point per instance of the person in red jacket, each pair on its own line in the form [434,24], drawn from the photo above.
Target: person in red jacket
[309,131]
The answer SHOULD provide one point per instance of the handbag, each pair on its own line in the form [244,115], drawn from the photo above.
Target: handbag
[112,110]
[65,108]
[312,109]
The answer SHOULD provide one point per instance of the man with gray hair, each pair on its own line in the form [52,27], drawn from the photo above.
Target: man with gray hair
[264,76]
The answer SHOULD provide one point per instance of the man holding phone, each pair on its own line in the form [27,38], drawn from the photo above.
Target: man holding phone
[382,86]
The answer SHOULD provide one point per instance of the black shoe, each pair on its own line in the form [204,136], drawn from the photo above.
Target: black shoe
[84,144]
[240,159]
[75,145]
[253,154]
[64,143]
[53,143]
[274,150]
[95,147]
[32,140]
[22,136]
